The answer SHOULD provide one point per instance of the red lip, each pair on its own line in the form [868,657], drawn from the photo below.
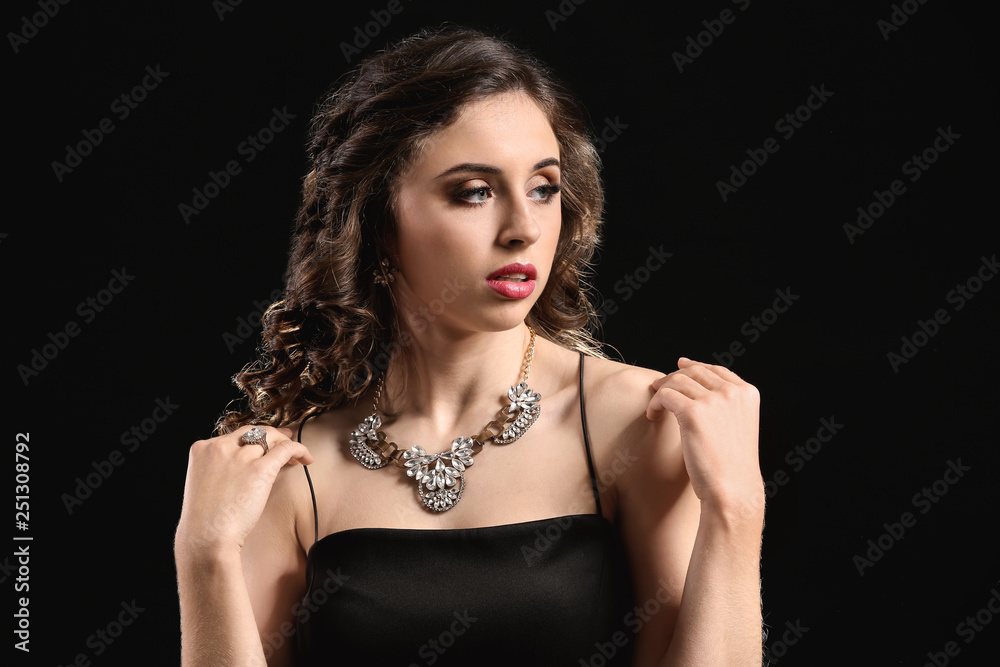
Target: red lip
[527,269]
[512,289]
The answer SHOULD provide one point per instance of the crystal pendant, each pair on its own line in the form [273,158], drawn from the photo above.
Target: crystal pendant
[527,406]
[361,441]
[440,477]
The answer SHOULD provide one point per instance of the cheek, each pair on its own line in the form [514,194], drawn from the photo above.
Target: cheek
[416,234]
[554,221]
[434,249]
[554,231]
[552,225]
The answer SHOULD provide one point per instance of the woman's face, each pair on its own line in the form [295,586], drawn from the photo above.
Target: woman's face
[482,195]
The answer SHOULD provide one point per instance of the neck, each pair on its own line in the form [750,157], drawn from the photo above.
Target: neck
[447,377]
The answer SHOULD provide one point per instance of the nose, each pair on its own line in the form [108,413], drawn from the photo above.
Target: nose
[518,226]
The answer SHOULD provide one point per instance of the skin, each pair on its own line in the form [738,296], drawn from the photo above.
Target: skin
[690,513]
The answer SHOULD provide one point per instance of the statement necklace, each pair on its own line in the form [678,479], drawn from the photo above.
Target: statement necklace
[441,477]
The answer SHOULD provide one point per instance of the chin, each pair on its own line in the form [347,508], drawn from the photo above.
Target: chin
[492,318]
[503,317]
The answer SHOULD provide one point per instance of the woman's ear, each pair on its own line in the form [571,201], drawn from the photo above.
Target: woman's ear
[391,249]
[388,240]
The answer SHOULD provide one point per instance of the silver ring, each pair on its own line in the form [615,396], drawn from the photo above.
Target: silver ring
[255,436]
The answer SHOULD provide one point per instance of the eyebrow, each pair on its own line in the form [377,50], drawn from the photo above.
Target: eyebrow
[488,169]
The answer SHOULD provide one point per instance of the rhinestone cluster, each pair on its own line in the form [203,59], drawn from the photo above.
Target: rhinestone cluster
[526,404]
[367,433]
[441,477]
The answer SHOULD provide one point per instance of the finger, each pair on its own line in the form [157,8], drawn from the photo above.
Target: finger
[667,399]
[658,382]
[297,459]
[294,460]
[281,449]
[721,371]
[682,383]
[705,376]
[289,450]
[695,369]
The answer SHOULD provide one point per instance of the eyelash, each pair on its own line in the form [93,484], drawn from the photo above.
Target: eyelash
[550,190]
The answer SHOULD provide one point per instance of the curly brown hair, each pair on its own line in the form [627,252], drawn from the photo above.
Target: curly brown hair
[319,339]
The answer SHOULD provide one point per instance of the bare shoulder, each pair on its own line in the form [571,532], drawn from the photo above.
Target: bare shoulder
[291,488]
[617,397]
[273,558]
[289,500]
[319,434]
[656,510]
[610,381]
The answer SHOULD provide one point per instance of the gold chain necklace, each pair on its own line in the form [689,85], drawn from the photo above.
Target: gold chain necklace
[441,477]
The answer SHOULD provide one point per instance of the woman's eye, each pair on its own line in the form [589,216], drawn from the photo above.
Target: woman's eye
[546,192]
[475,196]
[481,194]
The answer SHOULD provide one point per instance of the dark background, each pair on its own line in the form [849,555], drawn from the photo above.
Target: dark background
[675,134]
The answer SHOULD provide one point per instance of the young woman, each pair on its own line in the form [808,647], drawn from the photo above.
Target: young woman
[434,319]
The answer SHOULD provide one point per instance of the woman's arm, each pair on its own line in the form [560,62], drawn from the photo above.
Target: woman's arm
[217,620]
[720,617]
[691,512]
[239,567]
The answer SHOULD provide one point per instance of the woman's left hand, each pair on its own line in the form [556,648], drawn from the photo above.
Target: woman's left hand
[718,414]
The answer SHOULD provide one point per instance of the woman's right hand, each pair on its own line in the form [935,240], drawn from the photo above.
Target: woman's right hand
[227,487]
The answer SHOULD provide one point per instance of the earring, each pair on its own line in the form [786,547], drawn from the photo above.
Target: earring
[308,377]
[385,274]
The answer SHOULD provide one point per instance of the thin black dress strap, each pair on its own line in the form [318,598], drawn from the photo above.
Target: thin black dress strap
[312,492]
[586,441]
